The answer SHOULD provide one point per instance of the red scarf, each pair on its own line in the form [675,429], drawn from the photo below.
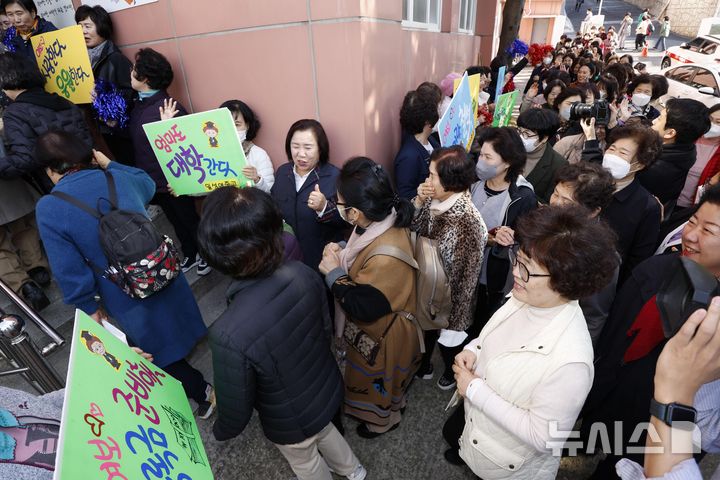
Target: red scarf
[647,330]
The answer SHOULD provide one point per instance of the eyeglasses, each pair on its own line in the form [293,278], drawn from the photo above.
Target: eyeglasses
[522,268]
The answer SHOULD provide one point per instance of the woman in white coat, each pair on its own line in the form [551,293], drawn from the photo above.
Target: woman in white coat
[525,378]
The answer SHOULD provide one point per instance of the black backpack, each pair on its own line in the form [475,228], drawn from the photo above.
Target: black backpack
[141,261]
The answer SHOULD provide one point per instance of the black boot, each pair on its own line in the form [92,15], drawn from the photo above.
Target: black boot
[40,275]
[34,295]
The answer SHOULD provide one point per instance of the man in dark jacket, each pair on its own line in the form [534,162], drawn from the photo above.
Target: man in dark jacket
[634,337]
[680,125]
[32,112]
[271,347]
[27,23]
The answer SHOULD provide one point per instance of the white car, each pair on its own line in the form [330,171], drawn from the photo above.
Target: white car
[703,50]
[699,82]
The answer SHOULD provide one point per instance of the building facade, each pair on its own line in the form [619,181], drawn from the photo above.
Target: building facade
[347,63]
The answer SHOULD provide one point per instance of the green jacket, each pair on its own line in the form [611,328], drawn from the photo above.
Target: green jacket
[542,177]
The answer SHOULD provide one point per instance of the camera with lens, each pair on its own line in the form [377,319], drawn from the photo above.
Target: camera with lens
[599,110]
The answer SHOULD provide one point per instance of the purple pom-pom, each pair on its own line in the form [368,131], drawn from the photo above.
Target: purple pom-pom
[518,48]
[109,104]
[10,33]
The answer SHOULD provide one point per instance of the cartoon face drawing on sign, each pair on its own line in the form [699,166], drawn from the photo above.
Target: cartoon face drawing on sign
[212,132]
[96,346]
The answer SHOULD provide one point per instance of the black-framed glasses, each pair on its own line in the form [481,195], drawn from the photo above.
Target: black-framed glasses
[522,268]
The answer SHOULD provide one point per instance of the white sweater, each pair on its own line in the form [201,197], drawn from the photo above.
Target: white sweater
[535,368]
[258,158]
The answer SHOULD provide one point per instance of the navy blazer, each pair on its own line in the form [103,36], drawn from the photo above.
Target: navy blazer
[312,232]
[412,165]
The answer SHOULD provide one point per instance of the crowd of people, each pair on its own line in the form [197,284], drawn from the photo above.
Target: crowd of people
[552,239]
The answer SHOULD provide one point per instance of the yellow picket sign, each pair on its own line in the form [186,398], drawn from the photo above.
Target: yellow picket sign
[64,62]
[474,91]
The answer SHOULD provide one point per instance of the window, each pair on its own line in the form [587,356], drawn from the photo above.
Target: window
[467,16]
[423,14]
[705,78]
[681,74]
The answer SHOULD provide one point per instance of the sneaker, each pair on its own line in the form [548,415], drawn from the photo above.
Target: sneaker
[34,296]
[358,474]
[452,456]
[40,275]
[188,263]
[206,408]
[427,373]
[203,268]
[446,383]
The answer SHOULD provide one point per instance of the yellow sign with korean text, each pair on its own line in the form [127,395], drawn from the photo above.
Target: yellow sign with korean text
[63,60]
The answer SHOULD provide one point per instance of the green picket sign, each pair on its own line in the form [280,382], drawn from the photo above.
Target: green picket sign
[199,153]
[123,417]
[504,108]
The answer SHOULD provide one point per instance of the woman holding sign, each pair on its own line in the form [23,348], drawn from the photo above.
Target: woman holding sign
[304,188]
[113,88]
[27,23]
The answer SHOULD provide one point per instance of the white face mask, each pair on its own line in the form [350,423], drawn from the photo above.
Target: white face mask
[714,131]
[530,143]
[640,99]
[483,98]
[565,113]
[603,94]
[242,134]
[618,167]
[342,211]
[547,60]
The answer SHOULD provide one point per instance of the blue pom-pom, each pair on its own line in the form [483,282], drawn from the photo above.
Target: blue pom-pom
[10,33]
[518,48]
[109,104]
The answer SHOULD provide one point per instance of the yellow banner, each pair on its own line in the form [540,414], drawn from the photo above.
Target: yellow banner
[474,92]
[64,61]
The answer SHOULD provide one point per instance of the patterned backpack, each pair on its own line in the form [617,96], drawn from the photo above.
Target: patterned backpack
[141,261]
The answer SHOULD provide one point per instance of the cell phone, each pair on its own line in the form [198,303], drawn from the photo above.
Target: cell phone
[688,288]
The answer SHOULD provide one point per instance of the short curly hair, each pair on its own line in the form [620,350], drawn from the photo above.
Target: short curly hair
[587,263]
[152,67]
[18,72]
[649,144]
[593,186]
[455,169]
[419,108]
[240,233]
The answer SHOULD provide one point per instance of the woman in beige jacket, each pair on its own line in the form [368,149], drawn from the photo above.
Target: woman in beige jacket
[525,378]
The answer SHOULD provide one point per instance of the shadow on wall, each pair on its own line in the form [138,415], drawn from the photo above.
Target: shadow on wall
[388,73]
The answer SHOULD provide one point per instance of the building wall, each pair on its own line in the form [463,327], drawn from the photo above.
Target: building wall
[685,15]
[347,63]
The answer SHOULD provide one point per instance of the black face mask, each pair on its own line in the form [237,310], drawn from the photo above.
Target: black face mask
[688,288]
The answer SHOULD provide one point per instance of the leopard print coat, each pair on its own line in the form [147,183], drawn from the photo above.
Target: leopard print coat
[461,235]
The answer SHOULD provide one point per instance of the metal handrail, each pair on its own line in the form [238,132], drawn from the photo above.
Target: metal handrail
[18,347]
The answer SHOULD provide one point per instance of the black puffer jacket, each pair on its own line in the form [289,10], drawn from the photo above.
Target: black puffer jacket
[271,352]
[114,67]
[666,177]
[33,113]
